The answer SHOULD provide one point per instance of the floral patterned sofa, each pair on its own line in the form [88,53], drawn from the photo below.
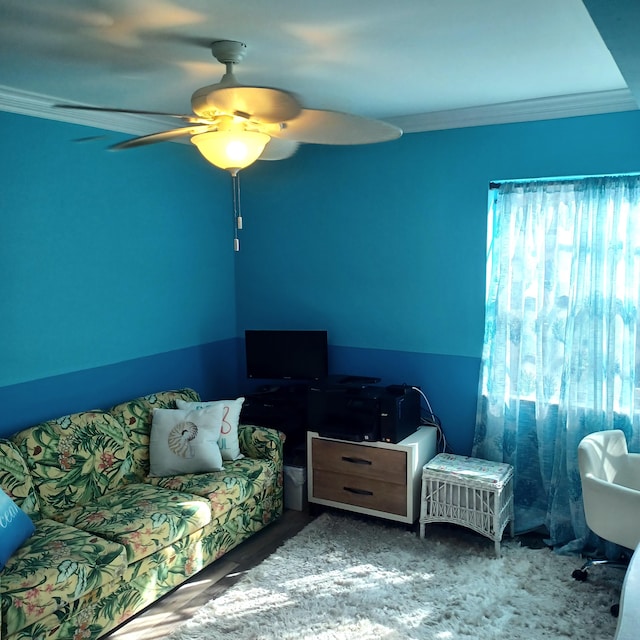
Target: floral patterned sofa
[109,539]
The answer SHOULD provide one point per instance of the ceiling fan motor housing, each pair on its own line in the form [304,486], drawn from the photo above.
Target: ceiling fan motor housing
[228,51]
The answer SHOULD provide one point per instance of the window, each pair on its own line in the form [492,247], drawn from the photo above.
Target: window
[562,347]
[563,284]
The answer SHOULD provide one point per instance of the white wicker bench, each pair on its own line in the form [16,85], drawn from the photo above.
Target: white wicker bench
[474,493]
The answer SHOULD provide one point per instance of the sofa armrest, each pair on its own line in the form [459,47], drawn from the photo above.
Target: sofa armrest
[262,443]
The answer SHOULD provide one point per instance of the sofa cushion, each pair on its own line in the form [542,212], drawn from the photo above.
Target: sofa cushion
[135,416]
[15,479]
[15,527]
[74,459]
[57,565]
[185,441]
[240,480]
[142,518]
[229,445]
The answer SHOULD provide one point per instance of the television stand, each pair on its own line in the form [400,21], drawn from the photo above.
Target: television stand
[374,478]
[363,381]
[268,388]
[282,407]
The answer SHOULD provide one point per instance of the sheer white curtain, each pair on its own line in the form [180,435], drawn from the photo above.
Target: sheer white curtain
[560,346]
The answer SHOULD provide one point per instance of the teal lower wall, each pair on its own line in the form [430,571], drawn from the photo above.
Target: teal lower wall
[211,369]
[217,370]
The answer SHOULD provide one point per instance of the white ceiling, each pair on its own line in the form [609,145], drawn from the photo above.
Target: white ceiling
[421,64]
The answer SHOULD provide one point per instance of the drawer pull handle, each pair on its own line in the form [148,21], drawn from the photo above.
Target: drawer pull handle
[356,460]
[360,492]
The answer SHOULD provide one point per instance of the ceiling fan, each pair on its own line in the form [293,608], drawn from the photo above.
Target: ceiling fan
[233,125]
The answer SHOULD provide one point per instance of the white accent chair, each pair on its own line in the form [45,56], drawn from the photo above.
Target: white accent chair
[610,478]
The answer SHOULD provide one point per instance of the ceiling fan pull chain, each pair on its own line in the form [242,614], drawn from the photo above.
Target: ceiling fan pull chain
[237,213]
[239,207]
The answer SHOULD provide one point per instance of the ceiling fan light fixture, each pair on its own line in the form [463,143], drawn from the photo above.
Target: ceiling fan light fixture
[231,150]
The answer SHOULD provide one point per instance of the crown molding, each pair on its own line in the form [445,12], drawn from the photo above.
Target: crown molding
[42,106]
[583,104]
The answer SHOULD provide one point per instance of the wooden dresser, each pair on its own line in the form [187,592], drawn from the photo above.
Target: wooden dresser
[376,478]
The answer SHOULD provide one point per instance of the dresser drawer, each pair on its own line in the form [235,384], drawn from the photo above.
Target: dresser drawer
[359,491]
[368,463]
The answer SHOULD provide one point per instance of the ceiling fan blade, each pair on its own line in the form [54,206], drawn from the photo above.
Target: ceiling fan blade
[172,37]
[161,136]
[278,149]
[260,104]
[83,107]
[317,126]
[89,138]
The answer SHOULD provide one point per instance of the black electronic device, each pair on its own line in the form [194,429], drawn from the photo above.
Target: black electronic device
[346,413]
[399,412]
[286,355]
[366,413]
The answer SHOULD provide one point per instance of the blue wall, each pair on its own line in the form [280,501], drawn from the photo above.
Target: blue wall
[385,245]
[118,276]
[109,261]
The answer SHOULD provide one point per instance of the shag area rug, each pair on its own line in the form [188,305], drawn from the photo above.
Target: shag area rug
[344,577]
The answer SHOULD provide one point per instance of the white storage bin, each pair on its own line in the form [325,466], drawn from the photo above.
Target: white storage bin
[295,488]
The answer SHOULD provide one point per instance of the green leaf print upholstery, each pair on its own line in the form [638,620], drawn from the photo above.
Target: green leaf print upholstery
[59,560]
[74,459]
[15,479]
[110,540]
[142,518]
[136,417]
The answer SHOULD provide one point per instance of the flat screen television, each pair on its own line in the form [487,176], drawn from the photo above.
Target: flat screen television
[286,355]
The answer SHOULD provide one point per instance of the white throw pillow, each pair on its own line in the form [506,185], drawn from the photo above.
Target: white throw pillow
[229,444]
[185,441]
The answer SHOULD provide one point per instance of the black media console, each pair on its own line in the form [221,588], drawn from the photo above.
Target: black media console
[341,407]
[283,408]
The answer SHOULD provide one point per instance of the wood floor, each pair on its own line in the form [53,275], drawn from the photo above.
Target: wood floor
[161,618]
